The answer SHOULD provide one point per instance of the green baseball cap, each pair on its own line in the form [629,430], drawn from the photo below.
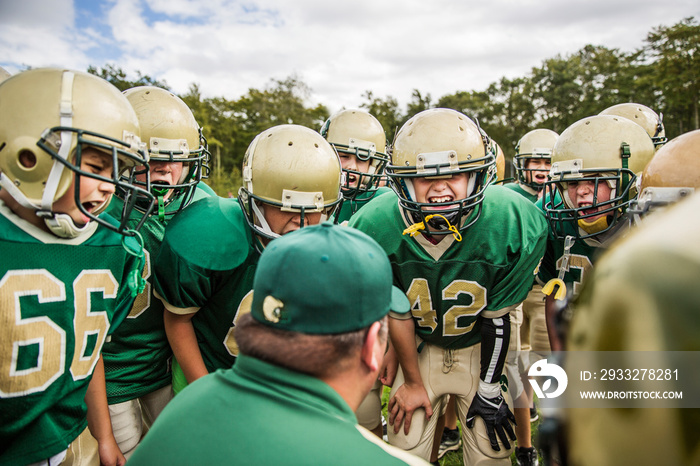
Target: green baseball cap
[324,279]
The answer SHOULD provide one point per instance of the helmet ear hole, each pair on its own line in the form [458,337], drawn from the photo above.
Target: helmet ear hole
[27,159]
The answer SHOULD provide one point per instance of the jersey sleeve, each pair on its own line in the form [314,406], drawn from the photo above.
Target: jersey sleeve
[190,259]
[530,232]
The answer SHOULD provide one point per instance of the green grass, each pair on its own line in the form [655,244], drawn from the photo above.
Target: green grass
[454,458]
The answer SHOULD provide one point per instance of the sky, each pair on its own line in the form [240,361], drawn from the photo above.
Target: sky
[339,49]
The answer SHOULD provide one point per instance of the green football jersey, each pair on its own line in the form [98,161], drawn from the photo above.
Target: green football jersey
[137,357]
[450,283]
[350,207]
[206,265]
[59,299]
[527,192]
[573,264]
[225,418]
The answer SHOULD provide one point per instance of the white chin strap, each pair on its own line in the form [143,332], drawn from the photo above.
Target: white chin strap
[260,216]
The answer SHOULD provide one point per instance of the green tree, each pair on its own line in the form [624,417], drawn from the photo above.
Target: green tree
[386,111]
[118,78]
[675,53]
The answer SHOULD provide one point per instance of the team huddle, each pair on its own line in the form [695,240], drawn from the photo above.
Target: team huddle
[264,328]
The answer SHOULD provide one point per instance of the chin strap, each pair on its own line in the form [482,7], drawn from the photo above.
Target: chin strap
[548,288]
[414,229]
[161,208]
[135,281]
[62,225]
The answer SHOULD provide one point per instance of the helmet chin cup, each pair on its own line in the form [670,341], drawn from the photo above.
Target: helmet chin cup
[62,225]
[595,226]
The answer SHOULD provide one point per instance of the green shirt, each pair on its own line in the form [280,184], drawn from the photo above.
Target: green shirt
[450,283]
[137,358]
[58,301]
[523,191]
[349,207]
[259,413]
[205,266]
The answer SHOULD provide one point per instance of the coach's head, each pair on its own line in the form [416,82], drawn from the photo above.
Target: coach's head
[320,300]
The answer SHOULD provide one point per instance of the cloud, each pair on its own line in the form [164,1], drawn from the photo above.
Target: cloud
[340,49]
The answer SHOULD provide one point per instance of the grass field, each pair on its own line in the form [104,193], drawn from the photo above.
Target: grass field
[454,458]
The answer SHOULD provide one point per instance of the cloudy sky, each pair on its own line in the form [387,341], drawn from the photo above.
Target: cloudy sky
[340,49]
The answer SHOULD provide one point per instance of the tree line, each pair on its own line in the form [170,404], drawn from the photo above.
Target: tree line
[663,73]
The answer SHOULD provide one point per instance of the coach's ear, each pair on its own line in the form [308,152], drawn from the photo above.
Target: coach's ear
[373,349]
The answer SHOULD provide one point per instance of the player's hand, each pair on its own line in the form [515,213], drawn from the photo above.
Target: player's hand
[497,417]
[390,366]
[110,454]
[405,401]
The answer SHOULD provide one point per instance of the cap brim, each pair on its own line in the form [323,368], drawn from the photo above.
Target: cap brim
[399,301]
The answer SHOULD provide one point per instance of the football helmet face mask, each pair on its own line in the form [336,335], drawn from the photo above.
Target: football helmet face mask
[671,175]
[599,149]
[171,134]
[292,168]
[88,112]
[537,144]
[359,134]
[644,117]
[439,143]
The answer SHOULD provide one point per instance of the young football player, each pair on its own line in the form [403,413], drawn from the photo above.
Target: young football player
[204,269]
[464,254]
[595,164]
[67,275]
[138,356]
[360,141]
[532,163]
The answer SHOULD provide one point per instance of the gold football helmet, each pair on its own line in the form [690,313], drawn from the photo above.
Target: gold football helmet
[47,117]
[671,175]
[171,134]
[4,74]
[536,144]
[357,133]
[291,167]
[602,149]
[644,117]
[441,142]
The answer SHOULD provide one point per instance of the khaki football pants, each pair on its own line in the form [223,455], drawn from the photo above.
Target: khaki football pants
[533,331]
[132,419]
[449,372]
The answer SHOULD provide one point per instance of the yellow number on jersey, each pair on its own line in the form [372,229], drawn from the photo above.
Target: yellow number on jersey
[422,306]
[243,308]
[17,333]
[577,261]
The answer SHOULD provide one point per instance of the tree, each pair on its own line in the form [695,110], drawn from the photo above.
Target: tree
[675,51]
[117,77]
[386,111]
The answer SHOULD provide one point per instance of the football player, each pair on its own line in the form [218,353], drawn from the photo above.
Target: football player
[67,278]
[595,164]
[138,356]
[205,266]
[464,253]
[671,175]
[532,163]
[360,141]
[643,295]
[644,116]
